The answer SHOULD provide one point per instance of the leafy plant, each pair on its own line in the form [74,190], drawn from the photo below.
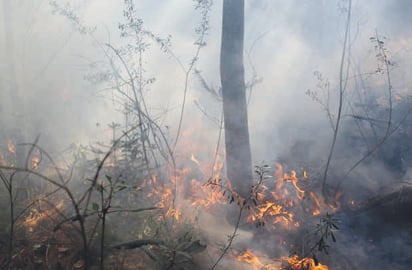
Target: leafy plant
[178,254]
[242,203]
[325,231]
[320,238]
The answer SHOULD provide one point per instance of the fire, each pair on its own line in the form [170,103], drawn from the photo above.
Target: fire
[165,198]
[218,166]
[250,258]
[184,193]
[11,147]
[270,209]
[38,214]
[299,192]
[315,212]
[289,177]
[35,161]
[276,200]
[175,213]
[336,202]
[292,177]
[194,159]
[205,196]
[276,203]
[164,195]
[305,174]
[197,191]
[304,264]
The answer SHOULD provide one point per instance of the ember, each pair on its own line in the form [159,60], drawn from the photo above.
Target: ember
[295,263]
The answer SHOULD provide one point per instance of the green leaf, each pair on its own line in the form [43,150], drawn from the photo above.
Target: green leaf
[95,206]
[121,188]
[109,178]
[195,247]
[186,255]
[100,188]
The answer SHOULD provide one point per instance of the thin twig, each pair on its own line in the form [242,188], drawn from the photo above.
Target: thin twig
[342,84]
[200,43]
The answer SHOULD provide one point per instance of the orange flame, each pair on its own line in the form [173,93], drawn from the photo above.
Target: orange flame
[270,209]
[38,214]
[289,177]
[284,197]
[336,202]
[205,196]
[294,179]
[315,212]
[11,147]
[35,161]
[164,197]
[250,258]
[305,264]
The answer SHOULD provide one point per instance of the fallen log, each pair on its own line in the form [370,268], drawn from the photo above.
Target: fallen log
[389,209]
[137,243]
[393,206]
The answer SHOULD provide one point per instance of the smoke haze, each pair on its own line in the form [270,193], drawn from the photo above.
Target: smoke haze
[289,45]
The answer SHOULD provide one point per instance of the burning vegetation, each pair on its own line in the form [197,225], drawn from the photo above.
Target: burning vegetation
[150,196]
[55,227]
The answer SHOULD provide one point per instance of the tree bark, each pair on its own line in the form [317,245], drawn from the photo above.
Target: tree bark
[238,156]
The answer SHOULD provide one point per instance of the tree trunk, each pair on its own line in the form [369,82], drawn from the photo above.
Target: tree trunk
[238,156]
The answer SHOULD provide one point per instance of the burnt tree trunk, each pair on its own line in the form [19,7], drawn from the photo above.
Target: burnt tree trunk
[238,156]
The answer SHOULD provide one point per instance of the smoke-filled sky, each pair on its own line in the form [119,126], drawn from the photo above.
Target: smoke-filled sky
[289,46]
[45,59]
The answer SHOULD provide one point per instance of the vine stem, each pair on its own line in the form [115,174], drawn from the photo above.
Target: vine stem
[342,86]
